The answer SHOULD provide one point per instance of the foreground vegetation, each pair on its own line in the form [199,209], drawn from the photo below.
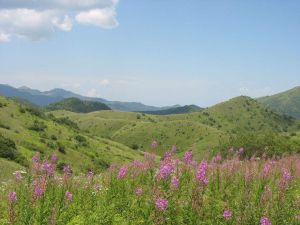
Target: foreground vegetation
[237,190]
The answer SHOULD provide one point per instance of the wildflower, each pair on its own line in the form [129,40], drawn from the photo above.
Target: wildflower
[168,155]
[174,182]
[139,191]
[154,144]
[161,204]
[227,214]
[265,221]
[297,217]
[18,175]
[217,158]
[173,149]
[122,172]
[241,151]
[166,168]
[188,156]
[201,172]
[48,167]
[136,164]
[39,187]
[67,169]
[97,187]
[35,158]
[69,196]
[90,174]
[266,169]
[54,157]
[286,175]
[12,196]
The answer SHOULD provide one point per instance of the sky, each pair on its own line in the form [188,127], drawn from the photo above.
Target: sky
[159,52]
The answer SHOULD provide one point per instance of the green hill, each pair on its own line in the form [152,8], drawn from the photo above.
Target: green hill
[77,105]
[287,102]
[210,129]
[176,110]
[26,131]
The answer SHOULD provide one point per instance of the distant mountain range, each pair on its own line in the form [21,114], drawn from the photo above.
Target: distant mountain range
[44,98]
[287,102]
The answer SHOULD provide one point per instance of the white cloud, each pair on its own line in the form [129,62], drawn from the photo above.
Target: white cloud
[4,37]
[36,20]
[104,82]
[243,89]
[105,18]
[92,93]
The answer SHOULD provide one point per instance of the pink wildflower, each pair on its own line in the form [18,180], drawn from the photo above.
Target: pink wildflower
[48,167]
[90,174]
[154,144]
[161,204]
[166,168]
[241,151]
[217,158]
[188,157]
[18,175]
[12,196]
[174,182]
[35,158]
[265,221]
[54,157]
[122,172]
[139,191]
[227,214]
[69,196]
[201,172]
[67,169]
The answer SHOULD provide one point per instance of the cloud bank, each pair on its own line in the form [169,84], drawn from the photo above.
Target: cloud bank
[38,20]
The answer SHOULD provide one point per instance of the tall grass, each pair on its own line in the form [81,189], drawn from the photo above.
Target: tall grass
[172,191]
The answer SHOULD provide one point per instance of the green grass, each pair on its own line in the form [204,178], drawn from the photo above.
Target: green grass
[287,102]
[96,153]
[204,132]
[7,169]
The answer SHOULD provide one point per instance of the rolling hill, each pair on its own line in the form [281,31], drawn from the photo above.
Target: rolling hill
[205,130]
[26,131]
[175,110]
[77,105]
[287,102]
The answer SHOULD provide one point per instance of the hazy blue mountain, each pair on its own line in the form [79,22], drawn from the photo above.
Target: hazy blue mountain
[44,98]
[33,96]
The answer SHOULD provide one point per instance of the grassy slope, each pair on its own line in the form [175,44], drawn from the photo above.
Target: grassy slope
[97,153]
[199,130]
[77,105]
[239,114]
[7,168]
[287,102]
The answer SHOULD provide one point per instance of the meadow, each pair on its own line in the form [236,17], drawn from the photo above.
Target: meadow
[154,190]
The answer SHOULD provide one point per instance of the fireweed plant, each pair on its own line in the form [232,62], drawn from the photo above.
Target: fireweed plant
[171,190]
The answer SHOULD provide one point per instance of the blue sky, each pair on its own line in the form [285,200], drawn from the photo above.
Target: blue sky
[160,52]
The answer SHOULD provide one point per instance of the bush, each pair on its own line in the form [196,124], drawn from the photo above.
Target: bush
[135,146]
[8,148]
[81,140]
[61,148]
[38,126]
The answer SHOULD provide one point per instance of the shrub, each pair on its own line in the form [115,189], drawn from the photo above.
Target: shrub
[8,148]
[38,126]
